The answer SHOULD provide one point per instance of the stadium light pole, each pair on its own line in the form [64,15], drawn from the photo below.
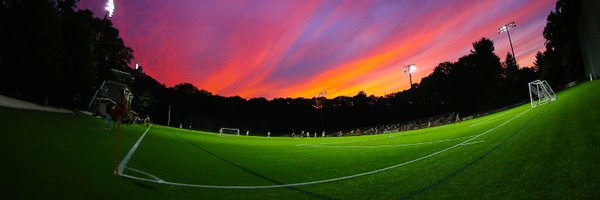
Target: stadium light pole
[409,69]
[320,107]
[505,28]
[169,117]
[122,108]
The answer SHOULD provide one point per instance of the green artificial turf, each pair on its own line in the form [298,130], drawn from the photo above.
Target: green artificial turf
[547,152]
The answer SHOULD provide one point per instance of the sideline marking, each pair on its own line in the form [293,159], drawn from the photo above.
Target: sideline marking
[324,180]
[388,145]
[343,142]
[131,151]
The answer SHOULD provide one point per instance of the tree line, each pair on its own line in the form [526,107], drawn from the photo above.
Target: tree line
[53,51]
[54,54]
[476,82]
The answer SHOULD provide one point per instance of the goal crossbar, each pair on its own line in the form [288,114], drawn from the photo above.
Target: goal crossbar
[233,131]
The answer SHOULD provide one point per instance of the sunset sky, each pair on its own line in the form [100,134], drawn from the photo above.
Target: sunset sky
[273,48]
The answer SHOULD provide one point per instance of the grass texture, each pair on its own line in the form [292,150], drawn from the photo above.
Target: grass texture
[550,151]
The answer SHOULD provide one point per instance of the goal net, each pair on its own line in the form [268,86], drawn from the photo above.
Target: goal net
[232,131]
[540,93]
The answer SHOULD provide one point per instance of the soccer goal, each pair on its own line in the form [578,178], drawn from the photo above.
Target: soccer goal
[232,131]
[540,93]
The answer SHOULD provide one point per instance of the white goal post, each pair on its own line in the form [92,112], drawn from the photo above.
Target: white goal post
[232,131]
[540,93]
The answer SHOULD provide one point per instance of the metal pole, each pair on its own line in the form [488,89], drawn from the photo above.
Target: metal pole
[169,117]
[530,95]
[511,46]
[539,97]
[95,94]
[410,78]
[117,160]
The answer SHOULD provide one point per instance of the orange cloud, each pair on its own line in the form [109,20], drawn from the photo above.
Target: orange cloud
[300,48]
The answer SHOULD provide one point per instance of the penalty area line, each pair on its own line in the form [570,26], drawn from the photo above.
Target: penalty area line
[355,141]
[331,179]
[487,120]
[476,142]
[388,145]
[461,169]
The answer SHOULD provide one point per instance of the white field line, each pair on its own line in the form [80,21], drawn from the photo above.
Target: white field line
[343,142]
[326,180]
[145,173]
[388,145]
[402,133]
[354,141]
[131,151]
[487,120]
[476,142]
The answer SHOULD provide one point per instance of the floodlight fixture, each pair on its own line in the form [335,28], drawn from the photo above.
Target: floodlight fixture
[409,69]
[110,8]
[322,94]
[505,28]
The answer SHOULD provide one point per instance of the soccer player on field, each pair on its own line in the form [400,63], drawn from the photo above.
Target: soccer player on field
[147,120]
[107,123]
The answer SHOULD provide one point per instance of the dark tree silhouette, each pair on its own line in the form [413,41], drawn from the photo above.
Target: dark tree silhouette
[31,49]
[111,52]
[51,53]
[512,80]
[562,62]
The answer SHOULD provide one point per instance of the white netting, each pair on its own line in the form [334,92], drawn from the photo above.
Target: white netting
[232,131]
[540,93]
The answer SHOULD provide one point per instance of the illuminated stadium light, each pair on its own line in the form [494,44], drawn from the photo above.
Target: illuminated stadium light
[409,69]
[110,8]
[505,28]
[323,94]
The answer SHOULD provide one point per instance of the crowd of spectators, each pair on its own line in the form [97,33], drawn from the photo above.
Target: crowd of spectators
[437,120]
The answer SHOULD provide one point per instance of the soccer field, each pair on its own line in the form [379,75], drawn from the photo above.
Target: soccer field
[551,151]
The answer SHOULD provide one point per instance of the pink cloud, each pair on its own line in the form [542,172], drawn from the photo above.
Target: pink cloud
[299,48]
